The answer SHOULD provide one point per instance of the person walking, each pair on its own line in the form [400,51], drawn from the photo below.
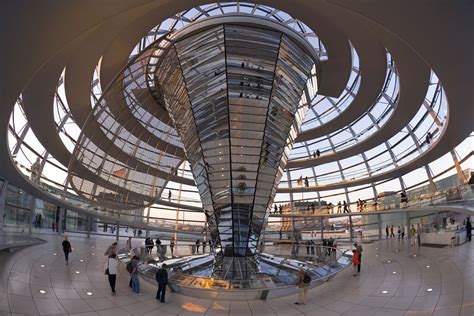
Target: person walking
[112,250]
[355,261]
[303,283]
[387,229]
[67,249]
[134,273]
[161,277]
[391,232]
[399,233]
[339,205]
[112,268]
[469,228]
[359,249]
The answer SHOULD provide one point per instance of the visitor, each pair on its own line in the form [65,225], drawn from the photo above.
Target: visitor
[418,233]
[318,153]
[339,207]
[399,233]
[211,246]
[403,231]
[358,247]
[169,195]
[161,277]
[303,283]
[67,249]
[404,199]
[112,268]
[413,235]
[134,273]
[112,250]
[469,228]
[391,232]
[275,209]
[346,207]
[172,243]
[355,261]
[198,244]
[204,246]
[306,182]
[157,243]
[387,231]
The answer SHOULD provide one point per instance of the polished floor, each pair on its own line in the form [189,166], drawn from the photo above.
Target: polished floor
[395,280]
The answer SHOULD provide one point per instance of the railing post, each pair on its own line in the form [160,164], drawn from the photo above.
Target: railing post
[351,236]
[3,199]
[322,227]
[408,225]
[379,220]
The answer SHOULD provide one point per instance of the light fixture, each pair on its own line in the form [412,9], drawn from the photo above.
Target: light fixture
[54,254]
[81,260]
[428,266]
[388,261]
[42,265]
[414,256]
[394,272]
[384,292]
[89,293]
[376,255]
[42,291]
[429,290]
[93,254]
[77,272]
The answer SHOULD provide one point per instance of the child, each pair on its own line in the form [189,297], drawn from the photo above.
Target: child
[355,261]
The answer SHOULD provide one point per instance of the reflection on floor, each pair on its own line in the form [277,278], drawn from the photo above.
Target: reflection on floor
[395,280]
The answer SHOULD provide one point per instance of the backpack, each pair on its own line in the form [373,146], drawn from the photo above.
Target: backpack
[129,267]
[306,279]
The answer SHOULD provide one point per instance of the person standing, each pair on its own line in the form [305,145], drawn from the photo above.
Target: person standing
[303,282]
[67,249]
[413,235]
[469,228]
[355,261]
[339,205]
[112,267]
[403,232]
[161,277]
[418,233]
[211,247]
[359,249]
[135,279]
[172,243]
[198,244]
[399,233]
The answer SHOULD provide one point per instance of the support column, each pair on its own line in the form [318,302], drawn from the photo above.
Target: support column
[60,222]
[32,213]
[117,234]
[88,227]
[379,220]
[3,199]
[322,227]
[351,235]
[408,224]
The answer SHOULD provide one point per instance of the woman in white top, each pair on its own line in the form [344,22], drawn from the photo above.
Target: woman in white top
[112,266]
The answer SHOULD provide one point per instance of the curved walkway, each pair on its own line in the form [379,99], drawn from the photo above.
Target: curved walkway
[449,272]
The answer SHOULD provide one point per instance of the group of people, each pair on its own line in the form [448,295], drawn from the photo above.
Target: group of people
[204,245]
[38,221]
[343,207]
[415,233]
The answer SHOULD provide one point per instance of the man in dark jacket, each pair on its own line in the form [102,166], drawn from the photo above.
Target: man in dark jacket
[162,279]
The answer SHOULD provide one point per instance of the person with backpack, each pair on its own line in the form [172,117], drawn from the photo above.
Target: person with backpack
[161,277]
[303,286]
